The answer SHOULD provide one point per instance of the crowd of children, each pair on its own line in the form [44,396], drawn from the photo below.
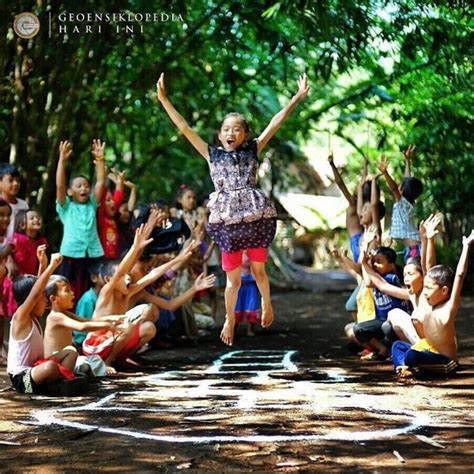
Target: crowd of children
[403,315]
[103,291]
[126,276]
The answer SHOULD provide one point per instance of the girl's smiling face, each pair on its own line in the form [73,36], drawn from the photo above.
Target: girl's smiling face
[33,223]
[233,133]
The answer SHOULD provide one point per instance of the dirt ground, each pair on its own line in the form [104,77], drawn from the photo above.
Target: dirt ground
[289,399]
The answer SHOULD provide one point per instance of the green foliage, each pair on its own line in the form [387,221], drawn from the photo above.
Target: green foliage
[243,56]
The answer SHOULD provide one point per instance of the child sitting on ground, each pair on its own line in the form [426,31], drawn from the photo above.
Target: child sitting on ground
[369,333]
[61,322]
[400,324]
[114,297]
[437,351]
[26,339]
[404,226]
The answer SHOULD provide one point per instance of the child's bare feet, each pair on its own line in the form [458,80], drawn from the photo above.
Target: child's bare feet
[111,370]
[267,315]
[227,333]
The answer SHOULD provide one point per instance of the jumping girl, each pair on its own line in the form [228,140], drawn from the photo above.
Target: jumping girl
[241,216]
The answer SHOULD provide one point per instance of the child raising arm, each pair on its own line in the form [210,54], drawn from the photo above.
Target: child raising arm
[26,339]
[241,216]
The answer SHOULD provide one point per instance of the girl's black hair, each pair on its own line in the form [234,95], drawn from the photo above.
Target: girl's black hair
[181,192]
[22,286]
[411,188]
[240,117]
[215,137]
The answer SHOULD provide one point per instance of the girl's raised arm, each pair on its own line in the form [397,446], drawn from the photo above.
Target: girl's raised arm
[280,117]
[196,141]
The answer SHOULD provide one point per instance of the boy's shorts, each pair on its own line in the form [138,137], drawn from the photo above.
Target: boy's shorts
[24,383]
[233,260]
[101,343]
[98,343]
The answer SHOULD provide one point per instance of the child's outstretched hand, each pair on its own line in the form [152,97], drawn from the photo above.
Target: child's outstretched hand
[188,251]
[141,239]
[56,259]
[116,176]
[383,164]
[98,149]
[364,257]
[203,282]
[157,216]
[160,87]
[430,225]
[467,240]
[370,234]
[303,87]
[409,152]
[65,150]
[41,256]
[130,185]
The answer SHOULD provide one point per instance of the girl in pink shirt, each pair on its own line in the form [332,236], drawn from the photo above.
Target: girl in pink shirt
[27,239]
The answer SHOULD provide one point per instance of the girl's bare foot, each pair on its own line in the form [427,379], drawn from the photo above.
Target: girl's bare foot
[227,333]
[267,315]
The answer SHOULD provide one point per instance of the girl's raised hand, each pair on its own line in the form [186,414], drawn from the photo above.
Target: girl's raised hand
[160,87]
[303,87]
[65,150]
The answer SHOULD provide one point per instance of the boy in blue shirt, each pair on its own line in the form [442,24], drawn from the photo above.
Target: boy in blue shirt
[370,333]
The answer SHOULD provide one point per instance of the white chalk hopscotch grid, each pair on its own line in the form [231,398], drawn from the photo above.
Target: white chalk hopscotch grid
[201,394]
